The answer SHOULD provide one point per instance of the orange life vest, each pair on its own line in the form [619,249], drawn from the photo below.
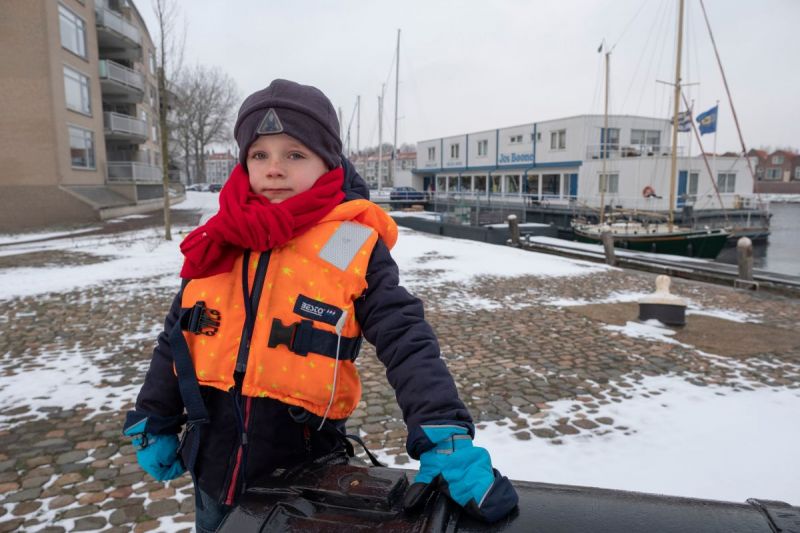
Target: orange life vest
[308,289]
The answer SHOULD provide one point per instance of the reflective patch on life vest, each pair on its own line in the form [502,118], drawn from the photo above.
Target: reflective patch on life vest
[344,244]
[316,310]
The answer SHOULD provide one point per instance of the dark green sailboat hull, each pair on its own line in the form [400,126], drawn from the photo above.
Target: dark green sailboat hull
[699,244]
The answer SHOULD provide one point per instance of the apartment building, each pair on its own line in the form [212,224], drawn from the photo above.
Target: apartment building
[367,166]
[79,137]
[777,172]
[219,166]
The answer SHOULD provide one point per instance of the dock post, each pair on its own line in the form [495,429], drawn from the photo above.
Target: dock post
[513,228]
[744,257]
[608,245]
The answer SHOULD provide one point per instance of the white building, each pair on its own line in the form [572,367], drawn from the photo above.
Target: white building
[219,166]
[367,167]
[561,162]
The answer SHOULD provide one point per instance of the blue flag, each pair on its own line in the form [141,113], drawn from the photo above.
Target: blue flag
[707,122]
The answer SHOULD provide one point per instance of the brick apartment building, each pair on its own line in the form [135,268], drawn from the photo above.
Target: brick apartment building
[777,172]
[79,137]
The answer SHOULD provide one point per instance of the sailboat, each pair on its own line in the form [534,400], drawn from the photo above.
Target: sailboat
[658,237]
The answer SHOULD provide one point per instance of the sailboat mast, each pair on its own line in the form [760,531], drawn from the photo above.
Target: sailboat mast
[604,147]
[396,93]
[676,106]
[380,138]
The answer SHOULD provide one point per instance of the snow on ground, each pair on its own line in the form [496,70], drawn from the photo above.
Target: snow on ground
[459,261]
[701,442]
[704,442]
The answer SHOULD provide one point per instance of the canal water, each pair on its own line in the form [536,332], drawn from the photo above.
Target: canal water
[781,253]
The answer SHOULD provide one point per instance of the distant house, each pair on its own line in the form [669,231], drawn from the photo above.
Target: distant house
[777,172]
[79,136]
[219,166]
[367,166]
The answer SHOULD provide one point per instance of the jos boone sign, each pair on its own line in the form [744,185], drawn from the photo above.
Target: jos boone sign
[514,158]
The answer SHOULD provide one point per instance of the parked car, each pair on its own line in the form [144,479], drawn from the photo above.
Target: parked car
[194,187]
[407,193]
[215,187]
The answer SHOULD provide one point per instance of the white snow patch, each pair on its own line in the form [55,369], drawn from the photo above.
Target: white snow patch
[688,441]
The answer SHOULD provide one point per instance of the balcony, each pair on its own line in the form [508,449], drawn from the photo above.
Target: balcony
[119,127]
[116,37]
[614,151]
[119,83]
[132,171]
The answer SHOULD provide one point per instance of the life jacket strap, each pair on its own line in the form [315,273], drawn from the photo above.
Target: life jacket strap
[302,337]
[190,390]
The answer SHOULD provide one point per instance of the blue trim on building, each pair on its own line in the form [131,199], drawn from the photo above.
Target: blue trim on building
[565,164]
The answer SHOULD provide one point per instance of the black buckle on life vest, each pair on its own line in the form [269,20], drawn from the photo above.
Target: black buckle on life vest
[202,320]
[296,337]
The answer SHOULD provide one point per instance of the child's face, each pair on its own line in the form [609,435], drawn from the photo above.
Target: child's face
[280,167]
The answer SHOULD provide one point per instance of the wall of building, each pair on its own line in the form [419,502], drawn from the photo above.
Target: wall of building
[60,57]
[28,146]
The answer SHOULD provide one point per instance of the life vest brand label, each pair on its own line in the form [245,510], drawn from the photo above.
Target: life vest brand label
[316,310]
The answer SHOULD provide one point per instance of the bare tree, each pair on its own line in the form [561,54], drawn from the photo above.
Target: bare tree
[166,12]
[208,97]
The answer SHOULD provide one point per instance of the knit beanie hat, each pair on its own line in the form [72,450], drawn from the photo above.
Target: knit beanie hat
[301,111]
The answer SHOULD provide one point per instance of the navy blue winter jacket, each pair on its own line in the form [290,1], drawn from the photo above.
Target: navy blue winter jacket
[390,318]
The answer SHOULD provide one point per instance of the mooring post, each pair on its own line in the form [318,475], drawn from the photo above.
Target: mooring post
[513,228]
[744,257]
[608,245]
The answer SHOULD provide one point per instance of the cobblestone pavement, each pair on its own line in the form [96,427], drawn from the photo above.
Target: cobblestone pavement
[68,469]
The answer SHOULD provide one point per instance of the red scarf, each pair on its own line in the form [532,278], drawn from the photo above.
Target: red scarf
[249,221]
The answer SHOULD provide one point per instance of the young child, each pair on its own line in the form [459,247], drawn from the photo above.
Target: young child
[260,344]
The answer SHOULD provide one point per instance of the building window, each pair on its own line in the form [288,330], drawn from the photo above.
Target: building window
[558,140]
[797,173]
[774,173]
[650,137]
[152,62]
[611,139]
[81,147]
[726,181]
[432,153]
[609,183]
[454,149]
[483,148]
[516,139]
[76,89]
[73,31]
[777,159]
[154,132]
[692,189]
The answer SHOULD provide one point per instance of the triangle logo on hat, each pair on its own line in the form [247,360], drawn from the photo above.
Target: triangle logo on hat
[271,124]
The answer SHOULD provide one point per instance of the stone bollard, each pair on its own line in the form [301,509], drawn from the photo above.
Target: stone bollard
[513,227]
[608,245]
[744,257]
[663,306]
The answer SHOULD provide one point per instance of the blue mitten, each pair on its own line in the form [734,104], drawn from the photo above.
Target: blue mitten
[157,454]
[464,472]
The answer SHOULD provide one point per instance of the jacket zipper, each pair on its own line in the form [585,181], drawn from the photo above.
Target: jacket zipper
[251,304]
[239,454]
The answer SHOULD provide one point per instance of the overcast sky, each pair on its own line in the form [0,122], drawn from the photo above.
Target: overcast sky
[467,66]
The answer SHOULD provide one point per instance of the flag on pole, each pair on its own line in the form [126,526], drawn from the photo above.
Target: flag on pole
[707,122]
[685,120]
